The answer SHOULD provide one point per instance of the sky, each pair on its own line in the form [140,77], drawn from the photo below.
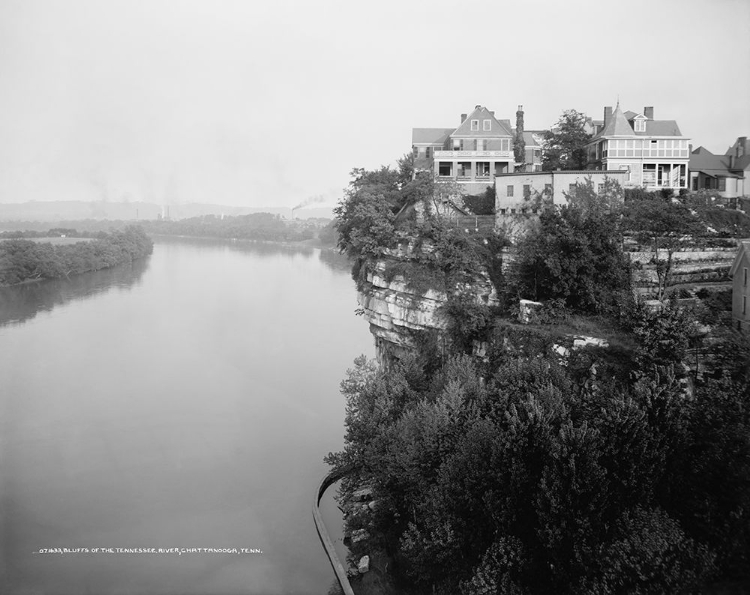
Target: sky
[250,103]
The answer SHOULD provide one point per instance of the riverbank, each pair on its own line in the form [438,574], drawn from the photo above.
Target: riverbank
[28,260]
[369,568]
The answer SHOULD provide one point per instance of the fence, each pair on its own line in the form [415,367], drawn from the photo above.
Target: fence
[474,223]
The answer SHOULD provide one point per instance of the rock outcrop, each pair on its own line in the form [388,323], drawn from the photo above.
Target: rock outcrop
[397,312]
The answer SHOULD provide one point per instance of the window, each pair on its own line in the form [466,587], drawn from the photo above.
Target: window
[744,277]
[428,152]
[571,188]
[510,193]
[640,125]
[445,168]
[475,124]
[483,169]
[722,184]
[649,174]
[513,211]
[526,190]
[505,144]
[487,125]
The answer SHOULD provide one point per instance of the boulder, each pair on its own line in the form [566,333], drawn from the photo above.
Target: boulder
[364,564]
[362,495]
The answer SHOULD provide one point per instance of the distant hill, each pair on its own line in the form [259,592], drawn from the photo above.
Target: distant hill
[77,210]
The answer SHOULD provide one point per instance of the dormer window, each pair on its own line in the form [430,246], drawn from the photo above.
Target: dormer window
[487,125]
[640,125]
[475,125]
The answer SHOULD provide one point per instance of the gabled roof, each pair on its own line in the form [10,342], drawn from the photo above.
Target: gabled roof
[617,125]
[498,127]
[529,140]
[744,250]
[705,161]
[430,136]
[661,128]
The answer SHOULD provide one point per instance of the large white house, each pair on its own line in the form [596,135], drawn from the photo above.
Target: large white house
[654,153]
[471,155]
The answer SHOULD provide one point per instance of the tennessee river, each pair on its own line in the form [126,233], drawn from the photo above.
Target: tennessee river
[149,550]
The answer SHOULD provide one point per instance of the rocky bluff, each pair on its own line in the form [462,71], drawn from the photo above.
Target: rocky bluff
[397,310]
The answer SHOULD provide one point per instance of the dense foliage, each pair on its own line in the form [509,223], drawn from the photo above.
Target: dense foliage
[380,213]
[481,204]
[574,254]
[565,144]
[525,473]
[501,458]
[25,260]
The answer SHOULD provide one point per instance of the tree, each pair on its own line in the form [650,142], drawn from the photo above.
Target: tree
[665,226]
[564,146]
[575,254]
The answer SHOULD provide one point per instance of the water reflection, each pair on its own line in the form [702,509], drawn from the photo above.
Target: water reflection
[23,302]
[329,256]
[190,408]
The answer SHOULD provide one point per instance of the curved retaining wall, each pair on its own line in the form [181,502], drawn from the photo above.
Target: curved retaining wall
[325,539]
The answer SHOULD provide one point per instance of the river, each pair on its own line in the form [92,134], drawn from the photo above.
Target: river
[184,402]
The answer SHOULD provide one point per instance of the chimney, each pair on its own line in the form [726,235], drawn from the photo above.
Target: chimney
[607,115]
[648,111]
[492,114]
[477,106]
[743,144]
[519,120]
[463,118]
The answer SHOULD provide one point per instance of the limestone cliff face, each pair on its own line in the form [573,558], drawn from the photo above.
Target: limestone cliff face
[396,312]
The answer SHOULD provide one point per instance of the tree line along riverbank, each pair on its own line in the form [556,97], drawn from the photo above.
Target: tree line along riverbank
[23,260]
[265,227]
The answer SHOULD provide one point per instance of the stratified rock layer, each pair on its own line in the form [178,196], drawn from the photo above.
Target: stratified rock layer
[396,312]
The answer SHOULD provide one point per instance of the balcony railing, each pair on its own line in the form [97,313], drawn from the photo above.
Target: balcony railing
[474,154]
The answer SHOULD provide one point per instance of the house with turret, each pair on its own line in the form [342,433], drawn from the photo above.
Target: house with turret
[654,153]
[474,153]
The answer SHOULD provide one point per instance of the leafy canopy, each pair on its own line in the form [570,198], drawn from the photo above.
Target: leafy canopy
[564,146]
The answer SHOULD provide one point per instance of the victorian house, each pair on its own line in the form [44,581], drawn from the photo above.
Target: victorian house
[654,153]
[472,154]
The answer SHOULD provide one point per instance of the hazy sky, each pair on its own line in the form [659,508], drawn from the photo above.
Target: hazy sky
[271,103]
